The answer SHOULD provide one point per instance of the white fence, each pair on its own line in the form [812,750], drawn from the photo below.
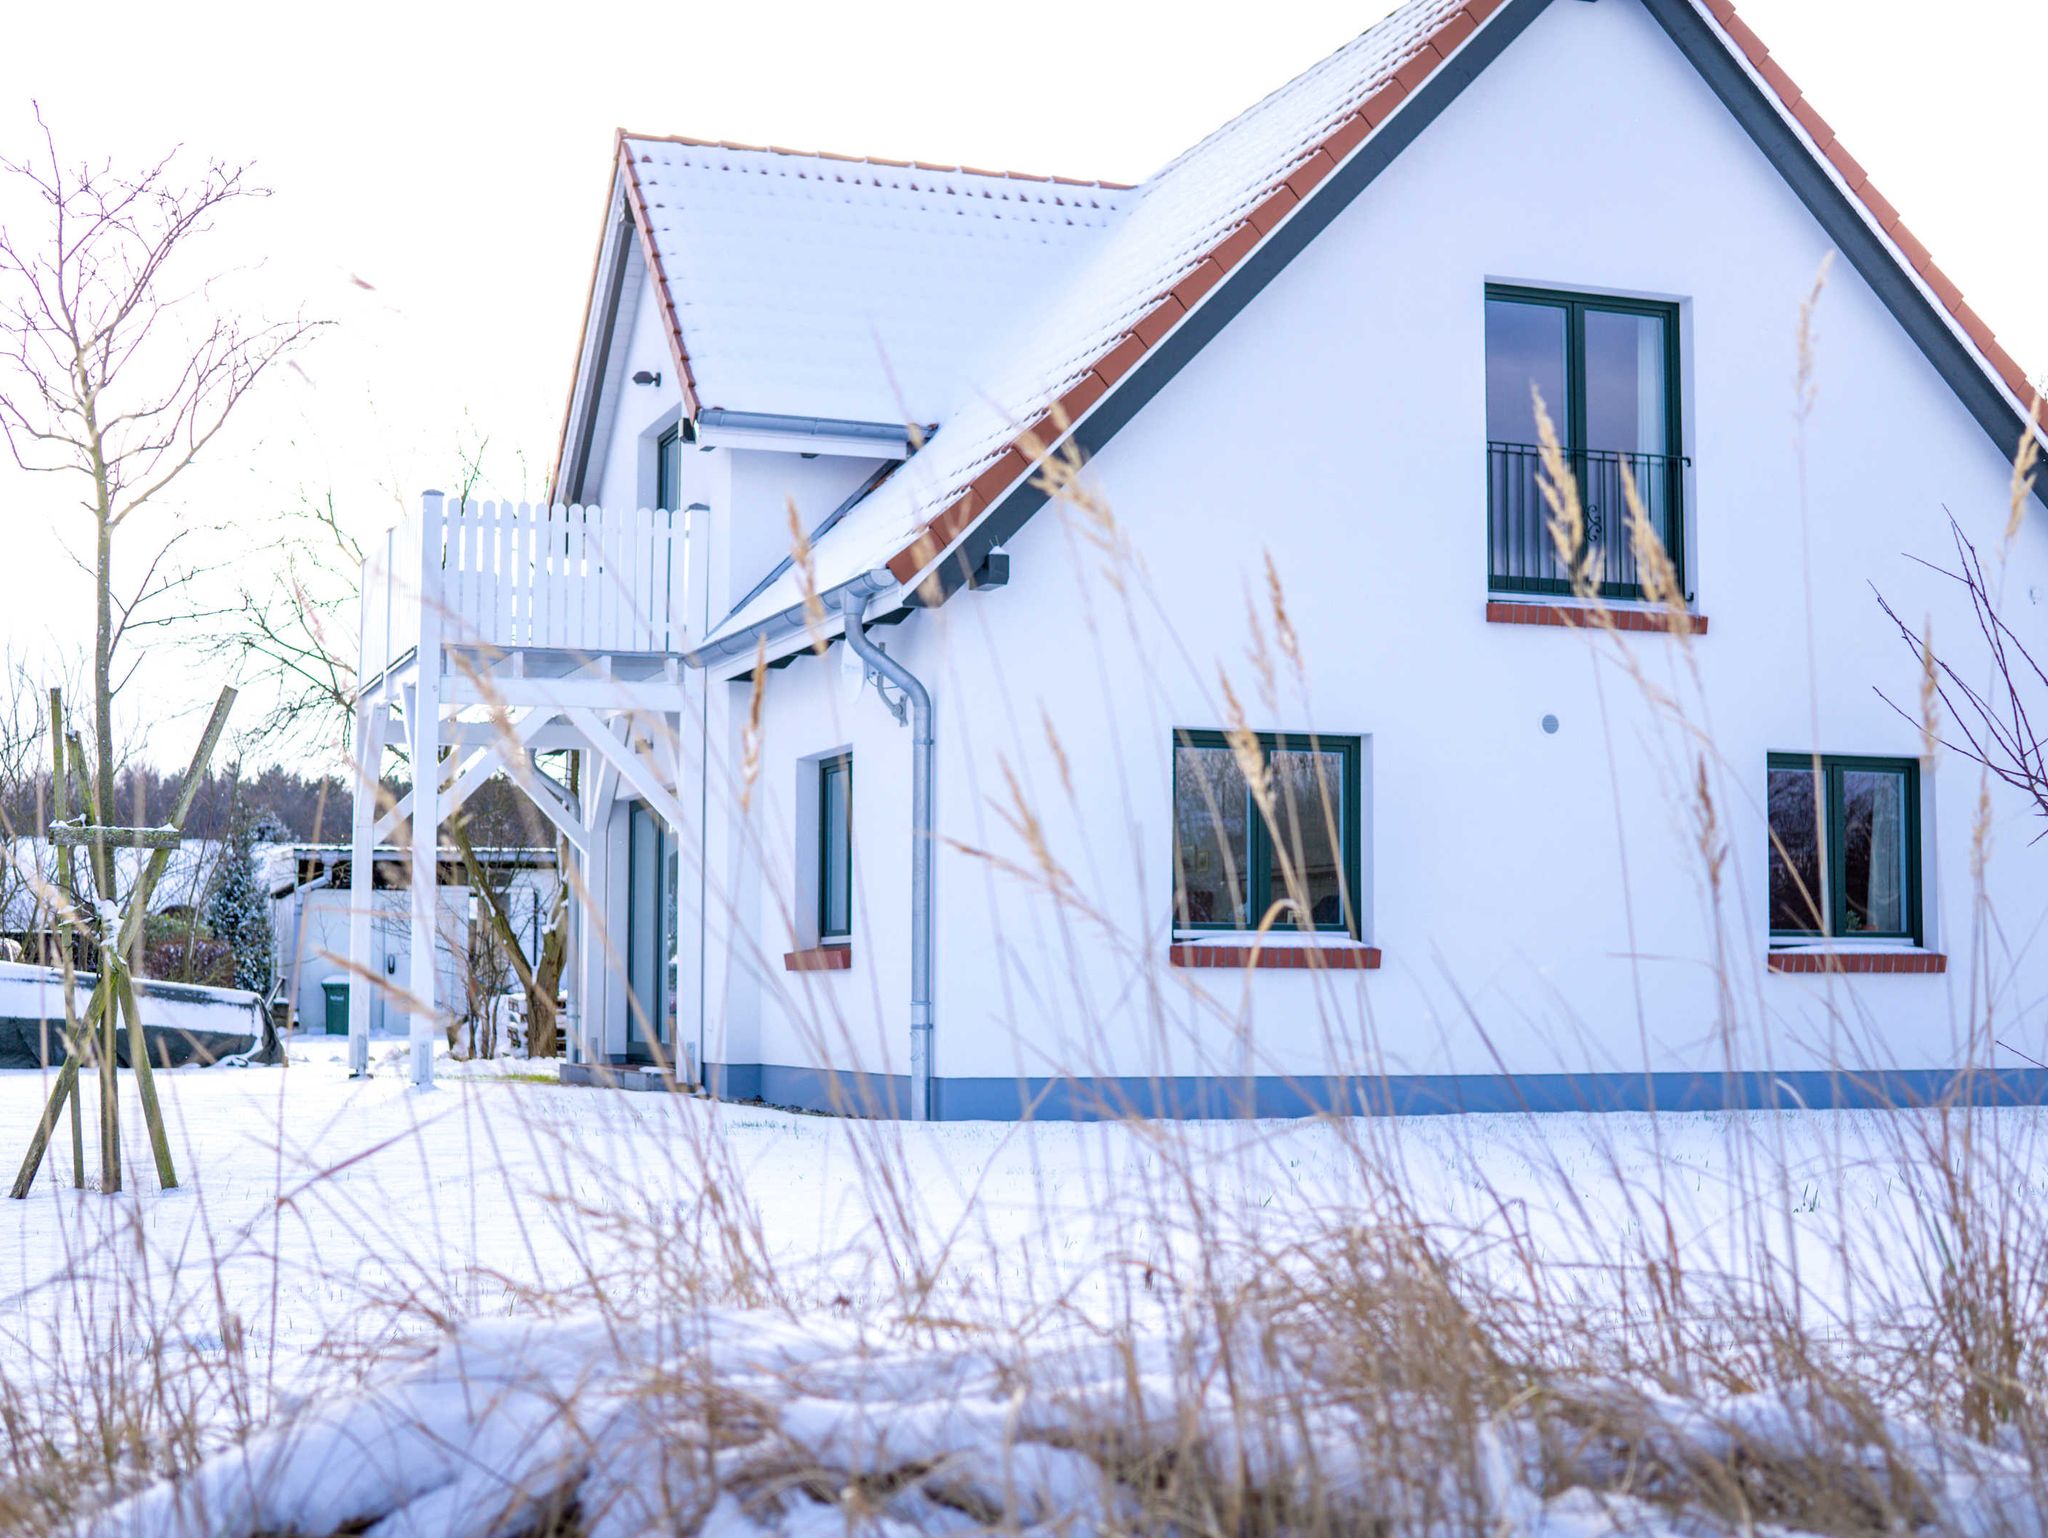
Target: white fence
[582,579]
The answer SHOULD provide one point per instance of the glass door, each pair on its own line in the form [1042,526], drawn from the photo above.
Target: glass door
[650,900]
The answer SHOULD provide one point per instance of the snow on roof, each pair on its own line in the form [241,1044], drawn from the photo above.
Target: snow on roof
[1184,230]
[1161,234]
[33,864]
[820,286]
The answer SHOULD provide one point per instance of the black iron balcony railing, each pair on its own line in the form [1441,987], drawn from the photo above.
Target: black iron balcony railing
[1522,553]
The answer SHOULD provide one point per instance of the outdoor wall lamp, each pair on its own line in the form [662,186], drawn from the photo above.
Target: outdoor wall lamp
[643,377]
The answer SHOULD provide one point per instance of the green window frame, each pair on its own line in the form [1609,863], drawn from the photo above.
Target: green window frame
[1193,807]
[668,470]
[835,849]
[1519,538]
[1835,906]
[1572,419]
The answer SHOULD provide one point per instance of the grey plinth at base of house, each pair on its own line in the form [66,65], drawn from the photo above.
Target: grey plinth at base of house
[634,1076]
[852,1093]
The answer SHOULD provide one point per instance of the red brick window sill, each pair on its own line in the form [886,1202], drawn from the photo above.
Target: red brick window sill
[1811,962]
[822,958]
[1582,617]
[1298,958]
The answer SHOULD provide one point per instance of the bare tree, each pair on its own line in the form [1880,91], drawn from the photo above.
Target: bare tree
[1995,725]
[291,628]
[117,369]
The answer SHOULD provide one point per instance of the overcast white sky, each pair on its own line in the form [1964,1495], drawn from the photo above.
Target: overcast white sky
[456,158]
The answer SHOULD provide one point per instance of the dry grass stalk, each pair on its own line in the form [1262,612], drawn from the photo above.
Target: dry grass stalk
[1059,753]
[1058,473]
[1283,624]
[806,579]
[1806,374]
[1655,570]
[1259,654]
[750,734]
[1245,749]
[1385,1353]
[2025,459]
[1559,487]
[1930,694]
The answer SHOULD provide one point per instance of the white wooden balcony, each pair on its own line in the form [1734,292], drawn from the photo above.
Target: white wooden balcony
[501,577]
[492,632]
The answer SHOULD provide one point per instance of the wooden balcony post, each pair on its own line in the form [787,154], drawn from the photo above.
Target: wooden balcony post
[424,725]
[674,620]
[371,715]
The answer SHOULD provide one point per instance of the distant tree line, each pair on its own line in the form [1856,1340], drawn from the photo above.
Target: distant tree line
[302,808]
[307,808]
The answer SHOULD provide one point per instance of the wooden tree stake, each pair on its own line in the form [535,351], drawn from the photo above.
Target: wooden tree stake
[61,810]
[114,990]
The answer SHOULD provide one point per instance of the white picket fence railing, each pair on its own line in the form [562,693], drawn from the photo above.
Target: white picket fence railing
[507,575]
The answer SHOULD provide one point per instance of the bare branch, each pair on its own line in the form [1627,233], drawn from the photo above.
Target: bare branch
[1993,726]
[116,364]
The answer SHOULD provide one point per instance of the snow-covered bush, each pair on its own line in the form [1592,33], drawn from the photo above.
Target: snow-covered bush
[238,907]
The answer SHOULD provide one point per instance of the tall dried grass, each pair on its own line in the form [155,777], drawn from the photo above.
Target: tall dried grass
[1385,1353]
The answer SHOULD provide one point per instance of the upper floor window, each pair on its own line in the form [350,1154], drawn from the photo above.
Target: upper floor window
[1234,861]
[1845,847]
[835,849]
[668,471]
[1608,373]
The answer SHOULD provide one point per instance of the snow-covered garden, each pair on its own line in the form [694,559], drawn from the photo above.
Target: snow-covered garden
[509,1306]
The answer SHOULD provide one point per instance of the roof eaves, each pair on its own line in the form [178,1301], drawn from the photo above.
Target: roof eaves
[916,564]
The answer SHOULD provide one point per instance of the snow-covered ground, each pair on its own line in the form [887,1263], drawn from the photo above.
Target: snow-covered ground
[326,1222]
[317,1209]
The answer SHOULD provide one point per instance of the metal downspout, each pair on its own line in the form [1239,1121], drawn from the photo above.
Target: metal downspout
[853,603]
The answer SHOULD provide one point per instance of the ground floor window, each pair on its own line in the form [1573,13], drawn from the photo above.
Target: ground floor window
[835,849]
[1268,827]
[1845,847]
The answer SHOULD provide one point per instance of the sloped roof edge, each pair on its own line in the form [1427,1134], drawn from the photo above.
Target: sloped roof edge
[678,355]
[921,564]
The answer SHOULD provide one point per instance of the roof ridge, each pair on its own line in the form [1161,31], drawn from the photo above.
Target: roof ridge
[625,134]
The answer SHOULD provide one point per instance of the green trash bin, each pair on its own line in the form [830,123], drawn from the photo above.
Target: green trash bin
[336,989]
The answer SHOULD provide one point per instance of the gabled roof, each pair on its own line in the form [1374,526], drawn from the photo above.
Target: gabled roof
[1185,226]
[1217,220]
[817,285]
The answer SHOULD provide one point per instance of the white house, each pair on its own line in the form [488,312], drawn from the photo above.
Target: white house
[310,917]
[1277,763]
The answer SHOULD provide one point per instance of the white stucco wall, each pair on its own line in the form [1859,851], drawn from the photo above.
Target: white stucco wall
[1539,898]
